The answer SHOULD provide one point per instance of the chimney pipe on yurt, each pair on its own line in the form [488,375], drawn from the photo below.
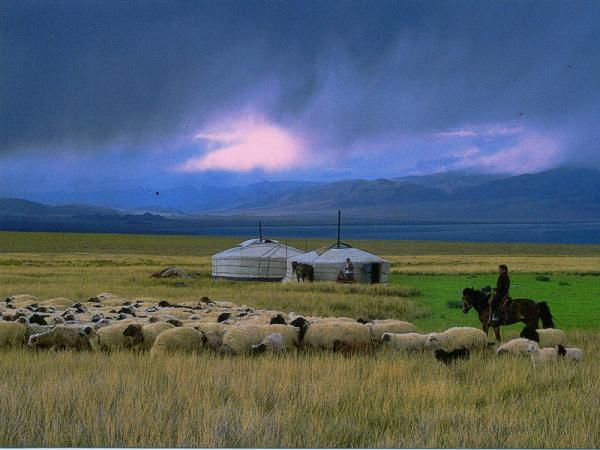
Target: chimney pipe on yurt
[338,229]
[260,231]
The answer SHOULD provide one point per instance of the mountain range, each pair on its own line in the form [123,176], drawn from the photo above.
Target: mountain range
[564,194]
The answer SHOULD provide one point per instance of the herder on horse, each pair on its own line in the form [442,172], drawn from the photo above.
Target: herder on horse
[501,294]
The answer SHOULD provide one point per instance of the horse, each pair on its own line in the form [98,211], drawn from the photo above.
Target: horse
[303,271]
[516,310]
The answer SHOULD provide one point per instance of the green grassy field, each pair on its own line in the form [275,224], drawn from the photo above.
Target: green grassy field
[303,399]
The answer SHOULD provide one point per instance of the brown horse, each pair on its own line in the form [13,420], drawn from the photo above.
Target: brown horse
[303,271]
[523,310]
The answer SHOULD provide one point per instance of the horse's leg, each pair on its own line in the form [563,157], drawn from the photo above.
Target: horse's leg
[497,333]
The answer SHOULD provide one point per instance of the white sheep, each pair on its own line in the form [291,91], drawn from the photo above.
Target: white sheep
[178,339]
[240,339]
[546,337]
[274,343]
[33,328]
[405,341]
[457,337]
[549,337]
[328,334]
[541,356]
[213,333]
[378,327]
[572,353]
[518,346]
[114,337]
[65,337]
[152,330]
[12,334]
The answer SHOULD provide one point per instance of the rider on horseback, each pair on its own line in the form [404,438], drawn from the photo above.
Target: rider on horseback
[502,288]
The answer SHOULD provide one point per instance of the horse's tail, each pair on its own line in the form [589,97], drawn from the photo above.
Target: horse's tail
[545,315]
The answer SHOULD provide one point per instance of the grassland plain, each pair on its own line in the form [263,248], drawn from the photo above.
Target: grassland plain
[302,399]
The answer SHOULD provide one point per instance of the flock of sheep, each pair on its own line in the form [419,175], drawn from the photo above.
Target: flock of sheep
[106,322]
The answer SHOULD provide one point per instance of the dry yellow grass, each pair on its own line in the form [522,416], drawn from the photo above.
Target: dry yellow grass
[313,400]
[80,276]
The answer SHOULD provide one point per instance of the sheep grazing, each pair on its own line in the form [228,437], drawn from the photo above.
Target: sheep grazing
[457,337]
[541,356]
[545,337]
[378,327]
[223,317]
[38,319]
[518,346]
[12,334]
[178,339]
[338,336]
[273,342]
[278,319]
[152,330]
[451,357]
[33,328]
[572,353]
[240,339]
[175,322]
[409,342]
[225,304]
[213,333]
[120,336]
[65,337]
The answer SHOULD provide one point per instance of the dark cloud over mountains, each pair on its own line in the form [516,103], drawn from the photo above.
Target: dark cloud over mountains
[352,76]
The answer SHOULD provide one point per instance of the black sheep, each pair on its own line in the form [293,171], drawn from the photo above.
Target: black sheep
[450,357]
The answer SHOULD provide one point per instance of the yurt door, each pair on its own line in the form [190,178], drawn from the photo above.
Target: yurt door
[375,272]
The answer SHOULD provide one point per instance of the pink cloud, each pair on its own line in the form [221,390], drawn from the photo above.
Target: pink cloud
[245,145]
[532,153]
[489,130]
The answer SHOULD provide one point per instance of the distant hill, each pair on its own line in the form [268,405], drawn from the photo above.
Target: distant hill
[20,207]
[561,194]
[185,199]
[565,195]
[451,181]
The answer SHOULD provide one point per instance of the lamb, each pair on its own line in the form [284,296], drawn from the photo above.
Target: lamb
[518,346]
[12,334]
[338,336]
[65,337]
[240,339]
[33,328]
[572,353]
[546,337]
[178,339]
[541,356]
[450,357]
[273,342]
[457,337]
[405,341]
[378,327]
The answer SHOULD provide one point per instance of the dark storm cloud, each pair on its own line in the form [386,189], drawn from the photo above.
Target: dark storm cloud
[93,74]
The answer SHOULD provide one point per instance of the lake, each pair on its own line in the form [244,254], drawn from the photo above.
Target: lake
[564,233]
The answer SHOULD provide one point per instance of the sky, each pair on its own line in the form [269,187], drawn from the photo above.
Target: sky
[158,94]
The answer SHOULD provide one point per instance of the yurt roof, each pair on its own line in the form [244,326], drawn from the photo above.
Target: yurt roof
[338,252]
[257,248]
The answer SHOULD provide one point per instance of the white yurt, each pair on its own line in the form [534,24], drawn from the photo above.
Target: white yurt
[327,262]
[254,260]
